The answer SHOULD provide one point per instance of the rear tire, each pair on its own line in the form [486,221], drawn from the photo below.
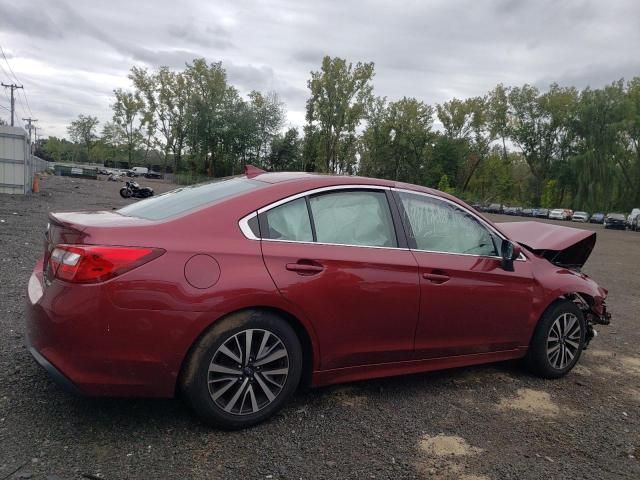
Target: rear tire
[232,386]
[557,341]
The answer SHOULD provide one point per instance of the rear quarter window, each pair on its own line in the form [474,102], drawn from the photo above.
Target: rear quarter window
[188,198]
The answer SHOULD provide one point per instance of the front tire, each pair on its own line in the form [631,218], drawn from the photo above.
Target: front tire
[243,370]
[557,341]
[125,192]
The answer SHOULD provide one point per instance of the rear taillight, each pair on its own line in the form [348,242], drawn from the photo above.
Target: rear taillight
[96,263]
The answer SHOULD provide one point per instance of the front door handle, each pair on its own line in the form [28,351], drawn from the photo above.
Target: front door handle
[305,268]
[437,278]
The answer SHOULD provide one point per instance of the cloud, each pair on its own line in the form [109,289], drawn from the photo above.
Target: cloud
[71,55]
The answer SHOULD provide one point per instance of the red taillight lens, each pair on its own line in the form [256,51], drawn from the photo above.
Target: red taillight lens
[94,263]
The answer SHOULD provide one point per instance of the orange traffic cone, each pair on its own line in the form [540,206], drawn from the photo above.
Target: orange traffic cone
[36,184]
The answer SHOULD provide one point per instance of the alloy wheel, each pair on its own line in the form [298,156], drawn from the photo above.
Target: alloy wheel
[248,371]
[563,341]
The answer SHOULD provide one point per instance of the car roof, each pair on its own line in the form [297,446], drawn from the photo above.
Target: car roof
[330,180]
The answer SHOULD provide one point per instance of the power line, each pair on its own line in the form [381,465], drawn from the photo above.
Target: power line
[17,81]
[8,65]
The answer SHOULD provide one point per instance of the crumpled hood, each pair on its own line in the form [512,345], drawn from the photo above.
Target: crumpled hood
[563,246]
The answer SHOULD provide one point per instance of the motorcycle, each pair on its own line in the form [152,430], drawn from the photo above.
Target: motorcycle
[132,189]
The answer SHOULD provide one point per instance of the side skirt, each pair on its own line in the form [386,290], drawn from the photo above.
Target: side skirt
[365,372]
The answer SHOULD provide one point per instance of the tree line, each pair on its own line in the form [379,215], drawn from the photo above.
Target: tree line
[560,147]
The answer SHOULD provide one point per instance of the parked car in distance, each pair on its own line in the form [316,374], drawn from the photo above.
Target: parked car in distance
[494,208]
[635,224]
[235,292]
[152,174]
[560,214]
[527,212]
[634,213]
[556,214]
[615,220]
[138,171]
[512,210]
[542,212]
[597,217]
[580,217]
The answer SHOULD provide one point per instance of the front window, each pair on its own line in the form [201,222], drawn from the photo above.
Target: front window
[438,226]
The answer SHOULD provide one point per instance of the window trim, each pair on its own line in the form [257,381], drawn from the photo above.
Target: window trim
[396,209]
[246,229]
[319,190]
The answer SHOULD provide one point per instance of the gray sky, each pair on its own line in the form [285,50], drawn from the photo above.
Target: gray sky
[71,55]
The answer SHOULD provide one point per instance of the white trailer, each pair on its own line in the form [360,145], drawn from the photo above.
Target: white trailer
[17,165]
[15,172]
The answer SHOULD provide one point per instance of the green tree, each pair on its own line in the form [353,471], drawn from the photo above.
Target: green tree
[285,151]
[498,115]
[269,115]
[601,164]
[131,118]
[631,136]
[538,126]
[59,150]
[396,141]
[443,184]
[340,96]
[465,123]
[83,131]
[166,94]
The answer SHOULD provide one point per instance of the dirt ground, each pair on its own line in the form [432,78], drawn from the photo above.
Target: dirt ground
[488,422]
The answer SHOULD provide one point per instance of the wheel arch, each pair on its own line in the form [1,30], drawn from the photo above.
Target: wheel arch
[586,302]
[309,352]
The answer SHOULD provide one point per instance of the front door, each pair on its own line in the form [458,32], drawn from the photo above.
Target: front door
[469,303]
[335,256]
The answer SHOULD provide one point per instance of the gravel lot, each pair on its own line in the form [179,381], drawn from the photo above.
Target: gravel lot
[489,422]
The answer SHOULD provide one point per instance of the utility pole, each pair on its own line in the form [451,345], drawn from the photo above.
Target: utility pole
[29,127]
[13,87]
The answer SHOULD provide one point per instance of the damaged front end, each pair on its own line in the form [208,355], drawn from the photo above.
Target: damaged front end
[567,248]
[594,311]
[562,246]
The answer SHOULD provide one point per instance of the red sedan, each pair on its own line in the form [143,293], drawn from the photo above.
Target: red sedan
[235,292]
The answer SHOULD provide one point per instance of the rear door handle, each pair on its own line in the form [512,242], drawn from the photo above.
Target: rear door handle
[305,268]
[436,277]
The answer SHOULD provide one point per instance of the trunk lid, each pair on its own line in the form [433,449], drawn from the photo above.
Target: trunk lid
[78,228]
[563,246]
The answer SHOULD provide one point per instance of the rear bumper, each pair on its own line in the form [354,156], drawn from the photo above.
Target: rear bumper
[53,372]
[71,333]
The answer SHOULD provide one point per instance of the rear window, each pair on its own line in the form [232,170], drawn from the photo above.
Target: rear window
[184,199]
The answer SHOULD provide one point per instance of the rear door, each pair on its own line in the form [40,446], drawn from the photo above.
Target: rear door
[336,256]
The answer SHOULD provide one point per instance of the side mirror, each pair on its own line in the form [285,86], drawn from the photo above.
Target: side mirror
[509,252]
